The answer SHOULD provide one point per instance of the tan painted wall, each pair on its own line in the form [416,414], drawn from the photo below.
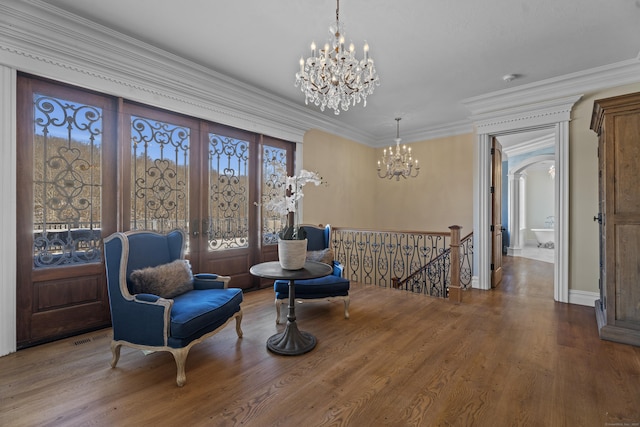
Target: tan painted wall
[441,195]
[347,200]
[583,192]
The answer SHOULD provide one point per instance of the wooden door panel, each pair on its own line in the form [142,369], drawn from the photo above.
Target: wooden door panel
[65,203]
[227,244]
[496,217]
[67,321]
[626,164]
[235,265]
[59,293]
[627,248]
[273,151]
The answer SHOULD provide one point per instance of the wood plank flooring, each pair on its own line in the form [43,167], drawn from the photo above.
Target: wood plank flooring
[507,357]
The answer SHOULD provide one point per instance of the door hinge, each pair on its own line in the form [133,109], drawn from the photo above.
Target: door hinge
[493,151]
[492,189]
[493,267]
[491,228]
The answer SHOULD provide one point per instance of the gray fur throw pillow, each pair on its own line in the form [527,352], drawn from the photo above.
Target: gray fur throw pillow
[324,255]
[166,280]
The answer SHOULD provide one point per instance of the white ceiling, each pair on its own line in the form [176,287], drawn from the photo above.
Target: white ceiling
[430,54]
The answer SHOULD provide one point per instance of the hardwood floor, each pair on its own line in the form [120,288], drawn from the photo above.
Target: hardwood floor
[507,357]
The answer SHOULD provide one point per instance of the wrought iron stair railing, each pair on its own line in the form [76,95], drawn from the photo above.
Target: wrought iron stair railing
[437,278]
[407,259]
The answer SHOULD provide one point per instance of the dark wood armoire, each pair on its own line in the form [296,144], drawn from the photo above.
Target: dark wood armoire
[616,120]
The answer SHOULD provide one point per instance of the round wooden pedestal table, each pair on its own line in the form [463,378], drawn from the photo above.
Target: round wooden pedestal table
[291,342]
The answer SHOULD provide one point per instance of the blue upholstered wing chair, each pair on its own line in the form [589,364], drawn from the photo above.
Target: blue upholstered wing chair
[143,265]
[331,287]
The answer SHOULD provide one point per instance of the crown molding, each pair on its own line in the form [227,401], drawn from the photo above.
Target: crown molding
[527,116]
[592,80]
[41,39]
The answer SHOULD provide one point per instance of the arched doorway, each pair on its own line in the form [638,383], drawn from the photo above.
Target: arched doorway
[516,198]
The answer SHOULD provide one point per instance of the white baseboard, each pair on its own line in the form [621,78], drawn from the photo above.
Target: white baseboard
[583,297]
[514,251]
[475,282]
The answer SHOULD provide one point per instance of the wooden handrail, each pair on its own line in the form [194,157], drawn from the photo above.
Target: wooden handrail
[368,230]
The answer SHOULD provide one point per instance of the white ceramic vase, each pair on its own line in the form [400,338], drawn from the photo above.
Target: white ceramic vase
[292,253]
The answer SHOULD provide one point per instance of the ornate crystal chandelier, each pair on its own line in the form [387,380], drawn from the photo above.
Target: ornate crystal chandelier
[399,163]
[333,77]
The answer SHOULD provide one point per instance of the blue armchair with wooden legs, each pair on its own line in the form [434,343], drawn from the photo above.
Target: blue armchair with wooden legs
[331,287]
[157,304]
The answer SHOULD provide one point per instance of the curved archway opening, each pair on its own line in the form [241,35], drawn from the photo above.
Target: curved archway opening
[531,211]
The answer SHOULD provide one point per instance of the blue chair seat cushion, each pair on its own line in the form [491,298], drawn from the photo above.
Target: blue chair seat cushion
[323,287]
[203,310]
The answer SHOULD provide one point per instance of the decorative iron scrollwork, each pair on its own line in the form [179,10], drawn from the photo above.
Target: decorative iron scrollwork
[228,225]
[422,259]
[160,173]
[272,184]
[67,182]
[375,257]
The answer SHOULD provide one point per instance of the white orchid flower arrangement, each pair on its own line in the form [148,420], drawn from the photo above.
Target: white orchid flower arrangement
[287,201]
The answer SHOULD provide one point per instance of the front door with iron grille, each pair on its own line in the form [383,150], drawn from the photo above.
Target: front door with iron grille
[66,203]
[235,231]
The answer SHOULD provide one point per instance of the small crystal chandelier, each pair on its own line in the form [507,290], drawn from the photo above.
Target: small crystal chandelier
[333,77]
[400,163]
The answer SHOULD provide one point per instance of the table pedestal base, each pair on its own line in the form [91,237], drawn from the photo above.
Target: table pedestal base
[292,341]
